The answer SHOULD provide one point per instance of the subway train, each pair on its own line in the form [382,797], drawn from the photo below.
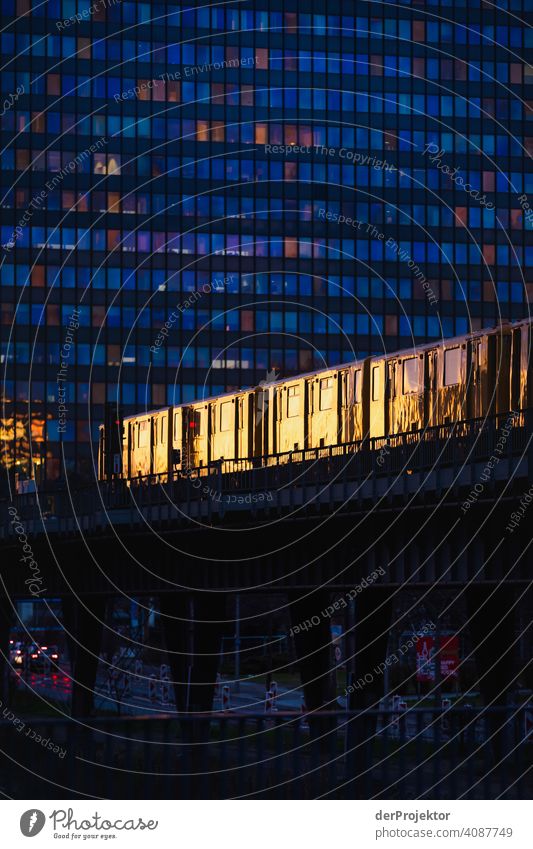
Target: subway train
[480,374]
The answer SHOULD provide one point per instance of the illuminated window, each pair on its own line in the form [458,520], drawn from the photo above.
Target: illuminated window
[326,393]
[376,383]
[84,48]
[113,201]
[261,59]
[452,366]
[100,163]
[293,401]
[143,432]
[173,91]
[113,163]
[53,84]
[202,131]
[226,415]
[461,216]
[261,134]
[411,382]
[357,386]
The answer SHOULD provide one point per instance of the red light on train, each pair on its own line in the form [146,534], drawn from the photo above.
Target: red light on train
[191,424]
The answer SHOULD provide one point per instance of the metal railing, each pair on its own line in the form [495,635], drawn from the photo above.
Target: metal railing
[443,446]
[424,753]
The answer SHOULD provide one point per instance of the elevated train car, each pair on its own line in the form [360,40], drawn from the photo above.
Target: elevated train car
[472,376]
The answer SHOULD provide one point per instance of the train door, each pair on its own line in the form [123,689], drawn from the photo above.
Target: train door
[255,421]
[241,431]
[268,419]
[346,406]
[526,368]
[431,402]
[177,454]
[310,411]
[212,430]
[503,369]
[390,395]
[377,398]
[474,378]
[515,368]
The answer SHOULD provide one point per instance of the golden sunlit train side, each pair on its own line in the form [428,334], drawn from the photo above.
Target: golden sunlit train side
[472,376]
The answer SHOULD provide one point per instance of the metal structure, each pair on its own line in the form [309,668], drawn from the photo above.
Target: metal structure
[463,752]
[473,376]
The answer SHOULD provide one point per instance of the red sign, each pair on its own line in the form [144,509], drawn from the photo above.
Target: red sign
[449,657]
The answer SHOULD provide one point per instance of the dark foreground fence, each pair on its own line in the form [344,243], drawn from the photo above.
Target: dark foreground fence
[464,753]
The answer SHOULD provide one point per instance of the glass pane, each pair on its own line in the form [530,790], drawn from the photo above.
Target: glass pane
[225,415]
[410,376]
[452,366]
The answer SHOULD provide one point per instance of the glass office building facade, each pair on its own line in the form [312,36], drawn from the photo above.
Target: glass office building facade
[195,195]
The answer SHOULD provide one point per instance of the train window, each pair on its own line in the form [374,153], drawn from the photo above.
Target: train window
[411,382]
[225,415]
[143,434]
[326,393]
[357,386]
[241,413]
[376,383]
[293,401]
[452,366]
[177,420]
[163,434]
[197,422]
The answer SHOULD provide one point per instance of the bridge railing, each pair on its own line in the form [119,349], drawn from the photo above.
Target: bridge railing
[445,445]
[467,752]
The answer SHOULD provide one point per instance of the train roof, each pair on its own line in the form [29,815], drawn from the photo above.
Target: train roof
[427,346]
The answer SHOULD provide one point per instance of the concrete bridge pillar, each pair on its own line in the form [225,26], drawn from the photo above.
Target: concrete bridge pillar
[193,624]
[83,619]
[489,610]
[312,642]
[373,610]
[175,615]
[493,632]
[7,617]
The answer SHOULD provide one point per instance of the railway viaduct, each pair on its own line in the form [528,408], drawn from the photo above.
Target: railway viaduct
[444,508]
